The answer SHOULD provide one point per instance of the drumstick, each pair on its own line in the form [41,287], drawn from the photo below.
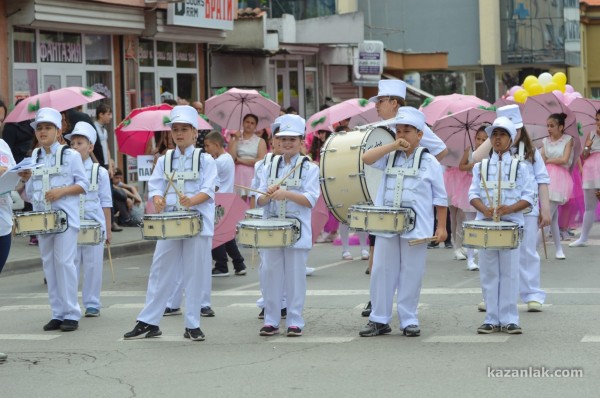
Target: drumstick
[250,189]
[421,241]
[171,183]
[496,217]
[487,193]
[112,270]
[290,173]
[544,241]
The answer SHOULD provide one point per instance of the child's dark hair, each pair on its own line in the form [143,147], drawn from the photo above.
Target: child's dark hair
[102,108]
[529,153]
[252,115]
[559,117]
[316,144]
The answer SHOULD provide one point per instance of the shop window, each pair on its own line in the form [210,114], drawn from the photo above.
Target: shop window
[185,55]
[101,83]
[596,92]
[60,48]
[25,83]
[147,89]
[97,50]
[186,87]
[146,53]
[164,53]
[24,45]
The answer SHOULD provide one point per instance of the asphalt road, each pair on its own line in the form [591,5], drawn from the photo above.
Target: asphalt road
[330,360]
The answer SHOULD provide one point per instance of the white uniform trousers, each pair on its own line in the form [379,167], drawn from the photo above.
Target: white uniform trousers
[499,275]
[260,303]
[284,270]
[90,258]
[191,255]
[177,295]
[396,266]
[529,261]
[58,258]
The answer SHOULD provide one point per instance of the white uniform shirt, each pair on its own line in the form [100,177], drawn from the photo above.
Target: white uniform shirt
[6,160]
[204,184]
[72,172]
[225,172]
[309,187]
[258,173]
[523,189]
[538,171]
[95,201]
[432,142]
[420,192]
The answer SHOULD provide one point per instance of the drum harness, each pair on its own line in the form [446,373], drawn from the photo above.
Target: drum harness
[46,171]
[293,181]
[181,176]
[491,185]
[520,155]
[93,187]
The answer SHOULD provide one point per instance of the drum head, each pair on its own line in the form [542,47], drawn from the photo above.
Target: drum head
[377,136]
[265,223]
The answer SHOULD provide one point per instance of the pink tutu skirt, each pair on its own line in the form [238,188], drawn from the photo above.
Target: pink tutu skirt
[243,176]
[457,184]
[570,215]
[591,171]
[561,183]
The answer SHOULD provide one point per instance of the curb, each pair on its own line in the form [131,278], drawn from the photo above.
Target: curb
[31,264]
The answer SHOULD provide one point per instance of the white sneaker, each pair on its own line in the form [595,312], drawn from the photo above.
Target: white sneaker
[309,271]
[459,255]
[471,266]
[559,255]
[364,254]
[347,256]
[578,243]
[324,237]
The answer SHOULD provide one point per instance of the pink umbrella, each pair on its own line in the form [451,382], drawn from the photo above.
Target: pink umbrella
[585,111]
[444,105]
[156,120]
[133,143]
[234,210]
[458,131]
[500,102]
[227,109]
[60,99]
[535,116]
[358,110]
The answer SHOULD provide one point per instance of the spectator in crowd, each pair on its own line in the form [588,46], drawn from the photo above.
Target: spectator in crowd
[103,118]
[125,197]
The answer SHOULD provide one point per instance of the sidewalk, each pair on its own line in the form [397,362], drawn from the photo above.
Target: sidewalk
[25,258]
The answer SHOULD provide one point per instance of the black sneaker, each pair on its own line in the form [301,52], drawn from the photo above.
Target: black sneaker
[54,324]
[172,311]
[207,312]
[294,331]
[283,313]
[69,325]
[194,334]
[512,328]
[488,328]
[367,311]
[448,245]
[432,245]
[218,273]
[142,330]
[269,330]
[367,271]
[411,331]
[261,315]
[375,329]
[240,272]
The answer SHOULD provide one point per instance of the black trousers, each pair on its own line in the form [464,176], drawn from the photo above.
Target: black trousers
[219,254]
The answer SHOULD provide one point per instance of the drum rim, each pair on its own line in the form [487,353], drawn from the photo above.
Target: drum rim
[171,215]
[265,222]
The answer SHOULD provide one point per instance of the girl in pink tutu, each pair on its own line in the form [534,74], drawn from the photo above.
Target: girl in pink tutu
[591,181]
[460,197]
[557,152]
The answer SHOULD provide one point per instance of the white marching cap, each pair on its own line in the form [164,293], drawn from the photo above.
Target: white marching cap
[390,88]
[411,116]
[49,115]
[289,126]
[512,112]
[504,123]
[183,114]
[84,129]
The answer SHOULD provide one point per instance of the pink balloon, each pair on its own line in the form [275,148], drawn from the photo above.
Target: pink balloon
[513,90]
[568,98]
[559,94]
[569,89]
[577,94]
[510,98]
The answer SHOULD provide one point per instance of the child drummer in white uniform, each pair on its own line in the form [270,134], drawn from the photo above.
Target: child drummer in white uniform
[396,264]
[293,198]
[96,206]
[190,190]
[57,186]
[499,269]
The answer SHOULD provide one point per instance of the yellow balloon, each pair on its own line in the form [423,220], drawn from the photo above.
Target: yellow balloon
[550,87]
[562,87]
[521,96]
[529,80]
[559,78]
[535,89]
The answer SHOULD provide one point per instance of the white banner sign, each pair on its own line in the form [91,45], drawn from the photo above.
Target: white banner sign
[210,14]
[144,167]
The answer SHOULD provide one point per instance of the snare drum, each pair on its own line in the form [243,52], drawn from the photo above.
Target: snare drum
[381,219]
[488,234]
[40,222]
[345,179]
[90,233]
[265,234]
[254,214]
[171,225]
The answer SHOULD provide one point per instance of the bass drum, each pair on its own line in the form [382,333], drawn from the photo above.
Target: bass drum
[345,179]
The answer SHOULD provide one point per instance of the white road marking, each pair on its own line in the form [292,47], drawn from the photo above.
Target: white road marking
[20,336]
[25,307]
[309,340]
[590,339]
[475,338]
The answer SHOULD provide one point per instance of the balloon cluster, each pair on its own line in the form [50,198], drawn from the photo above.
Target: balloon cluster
[544,83]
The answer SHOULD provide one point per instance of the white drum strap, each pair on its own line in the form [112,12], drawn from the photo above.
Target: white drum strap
[521,153]
[181,176]
[401,172]
[93,187]
[512,177]
[295,180]
[46,172]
